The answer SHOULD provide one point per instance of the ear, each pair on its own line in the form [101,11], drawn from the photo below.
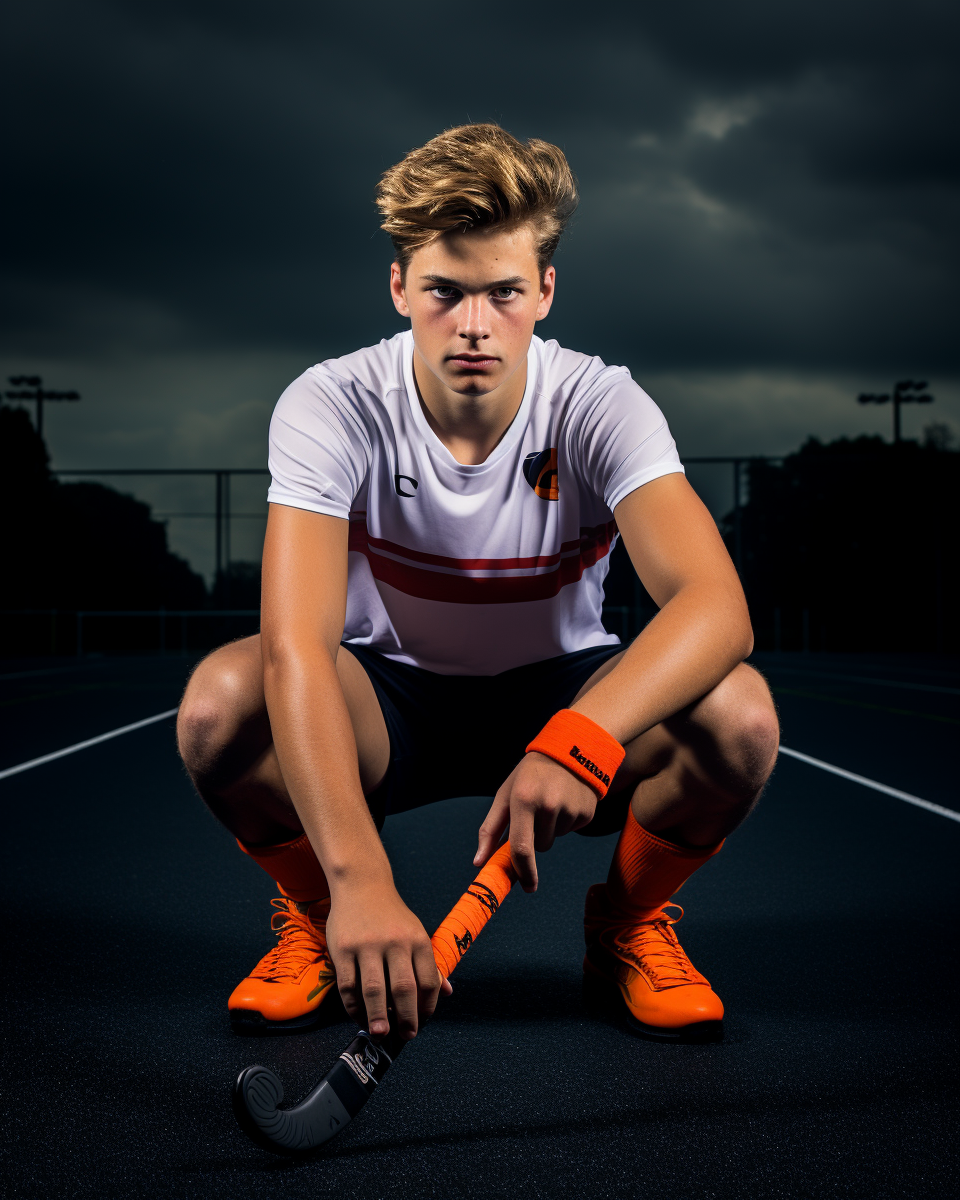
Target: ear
[547,288]
[397,291]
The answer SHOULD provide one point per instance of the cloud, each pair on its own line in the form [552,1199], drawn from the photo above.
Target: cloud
[769,196]
[715,118]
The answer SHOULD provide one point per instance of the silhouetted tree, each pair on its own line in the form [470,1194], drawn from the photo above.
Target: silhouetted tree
[861,534]
[79,545]
[237,586]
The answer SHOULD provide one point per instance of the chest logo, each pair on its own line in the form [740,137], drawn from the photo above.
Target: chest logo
[540,471]
[400,480]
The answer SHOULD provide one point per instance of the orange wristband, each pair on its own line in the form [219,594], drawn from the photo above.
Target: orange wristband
[582,746]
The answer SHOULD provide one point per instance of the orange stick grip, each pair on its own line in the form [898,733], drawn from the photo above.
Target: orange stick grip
[473,910]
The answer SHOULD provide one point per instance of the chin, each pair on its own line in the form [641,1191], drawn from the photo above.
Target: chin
[472,385]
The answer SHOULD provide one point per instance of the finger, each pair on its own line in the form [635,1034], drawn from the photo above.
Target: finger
[429,981]
[545,827]
[348,984]
[403,992]
[521,846]
[491,831]
[373,987]
[446,987]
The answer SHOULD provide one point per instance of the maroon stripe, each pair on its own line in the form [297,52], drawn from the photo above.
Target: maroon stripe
[406,577]
[467,564]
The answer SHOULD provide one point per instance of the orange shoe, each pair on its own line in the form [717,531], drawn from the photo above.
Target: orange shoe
[666,996]
[285,989]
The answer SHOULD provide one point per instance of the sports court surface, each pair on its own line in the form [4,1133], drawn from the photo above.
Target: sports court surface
[827,925]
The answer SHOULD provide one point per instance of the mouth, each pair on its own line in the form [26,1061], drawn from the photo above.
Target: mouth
[472,362]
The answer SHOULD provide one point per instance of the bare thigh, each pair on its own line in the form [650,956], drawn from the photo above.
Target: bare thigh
[697,774]
[225,739]
[700,727]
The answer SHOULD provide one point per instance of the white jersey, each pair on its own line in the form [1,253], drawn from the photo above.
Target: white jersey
[470,570]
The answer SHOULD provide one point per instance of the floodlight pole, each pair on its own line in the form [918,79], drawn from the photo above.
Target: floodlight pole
[901,395]
[32,389]
[222,550]
[218,518]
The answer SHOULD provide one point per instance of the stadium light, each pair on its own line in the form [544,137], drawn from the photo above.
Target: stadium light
[902,394]
[31,388]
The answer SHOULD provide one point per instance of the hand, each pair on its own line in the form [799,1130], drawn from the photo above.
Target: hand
[540,801]
[383,957]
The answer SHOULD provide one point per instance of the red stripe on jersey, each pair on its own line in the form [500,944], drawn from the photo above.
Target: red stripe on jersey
[406,576]
[457,564]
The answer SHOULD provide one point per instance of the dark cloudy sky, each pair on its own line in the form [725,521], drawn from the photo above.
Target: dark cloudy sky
[768,221]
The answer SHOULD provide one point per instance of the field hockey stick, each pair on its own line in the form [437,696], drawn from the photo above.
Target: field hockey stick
[353,1078]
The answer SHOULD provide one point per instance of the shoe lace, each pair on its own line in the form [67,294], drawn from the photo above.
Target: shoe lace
[657,951]
[301,941]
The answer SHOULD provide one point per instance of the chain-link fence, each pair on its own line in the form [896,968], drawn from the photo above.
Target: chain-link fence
[847,546]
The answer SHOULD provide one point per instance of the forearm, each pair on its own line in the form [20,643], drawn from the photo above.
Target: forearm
[317,752]
[696,640]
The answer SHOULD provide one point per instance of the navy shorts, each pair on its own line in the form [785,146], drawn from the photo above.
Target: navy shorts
[462,735]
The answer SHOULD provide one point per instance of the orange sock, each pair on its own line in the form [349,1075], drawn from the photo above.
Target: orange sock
[646,870]
[294,866]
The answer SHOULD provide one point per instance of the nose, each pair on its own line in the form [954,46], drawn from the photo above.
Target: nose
[472,325]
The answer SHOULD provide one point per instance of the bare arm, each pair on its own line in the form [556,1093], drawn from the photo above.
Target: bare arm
[303,612]
[700,634]
[372,935]
[702,630]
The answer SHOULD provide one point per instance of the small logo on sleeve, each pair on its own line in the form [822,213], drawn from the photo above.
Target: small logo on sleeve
[540,471]
[590,765]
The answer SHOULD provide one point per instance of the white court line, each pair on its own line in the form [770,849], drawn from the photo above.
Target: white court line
[814,762]
[103,737]
[872,783]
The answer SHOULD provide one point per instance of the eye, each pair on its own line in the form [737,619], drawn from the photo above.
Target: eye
[505,293]
[444,292]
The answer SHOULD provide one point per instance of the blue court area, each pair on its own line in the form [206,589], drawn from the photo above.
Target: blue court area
[827,925]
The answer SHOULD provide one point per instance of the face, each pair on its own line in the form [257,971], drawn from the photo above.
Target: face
[473,300]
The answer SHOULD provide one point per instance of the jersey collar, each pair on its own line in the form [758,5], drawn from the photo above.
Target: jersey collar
[514,431]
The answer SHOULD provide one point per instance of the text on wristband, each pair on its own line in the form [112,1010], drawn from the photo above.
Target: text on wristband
[590,765]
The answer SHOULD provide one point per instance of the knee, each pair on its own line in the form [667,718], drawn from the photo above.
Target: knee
[207,720]
[198,726]
[758,740]
[749,729]
[740,720]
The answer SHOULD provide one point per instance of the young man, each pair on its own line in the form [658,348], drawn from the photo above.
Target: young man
[442,510]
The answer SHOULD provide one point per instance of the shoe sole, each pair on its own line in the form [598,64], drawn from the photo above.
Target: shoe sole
[604,996]
[254,1024]
[250,1023]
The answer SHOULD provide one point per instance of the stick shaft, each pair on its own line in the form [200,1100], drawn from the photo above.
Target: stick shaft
[473,910]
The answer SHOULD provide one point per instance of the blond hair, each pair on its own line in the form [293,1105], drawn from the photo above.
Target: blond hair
[476,176]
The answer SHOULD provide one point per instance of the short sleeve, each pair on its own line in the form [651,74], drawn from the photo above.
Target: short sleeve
[624,439]
[320,451]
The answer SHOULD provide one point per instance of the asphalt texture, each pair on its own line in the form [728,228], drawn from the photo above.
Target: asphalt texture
[827,925]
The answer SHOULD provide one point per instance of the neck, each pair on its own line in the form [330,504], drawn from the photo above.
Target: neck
[470,426]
